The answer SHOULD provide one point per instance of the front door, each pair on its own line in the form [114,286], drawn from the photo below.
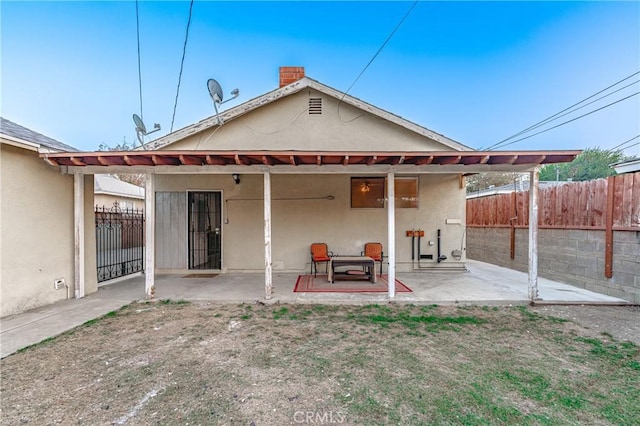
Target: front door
[205,233]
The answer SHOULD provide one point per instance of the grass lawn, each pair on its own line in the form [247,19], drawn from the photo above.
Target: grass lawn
[181,363]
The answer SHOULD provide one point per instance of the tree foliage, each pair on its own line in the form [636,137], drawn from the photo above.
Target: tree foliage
[592,163]
[482,181]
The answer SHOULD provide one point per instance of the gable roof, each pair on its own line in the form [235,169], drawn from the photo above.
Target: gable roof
[105,184]
[19,133]
[295,87]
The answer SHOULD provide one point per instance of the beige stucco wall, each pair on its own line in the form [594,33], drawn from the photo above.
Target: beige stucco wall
[298,223]
[37,236]
[286,125]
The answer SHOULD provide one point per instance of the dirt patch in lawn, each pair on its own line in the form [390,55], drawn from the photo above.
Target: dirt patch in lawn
[178,363]
[621,322]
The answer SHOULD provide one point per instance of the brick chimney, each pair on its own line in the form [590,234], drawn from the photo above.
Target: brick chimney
[289,75]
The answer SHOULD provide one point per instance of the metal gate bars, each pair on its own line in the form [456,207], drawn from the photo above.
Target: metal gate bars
[119,241]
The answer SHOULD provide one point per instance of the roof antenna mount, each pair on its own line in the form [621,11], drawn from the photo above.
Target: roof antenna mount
[141,129]
[215,90]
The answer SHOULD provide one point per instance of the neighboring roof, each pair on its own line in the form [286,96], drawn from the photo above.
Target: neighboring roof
[107,185]
[518,186]
[303,159]
[291,89]
[628,166]
[15,131]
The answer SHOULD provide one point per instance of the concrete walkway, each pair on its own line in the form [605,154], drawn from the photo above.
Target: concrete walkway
[483,284]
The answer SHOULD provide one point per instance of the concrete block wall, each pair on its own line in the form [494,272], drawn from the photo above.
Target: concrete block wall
[570,256]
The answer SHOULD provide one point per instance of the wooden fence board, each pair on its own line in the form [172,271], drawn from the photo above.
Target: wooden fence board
[581,205]
[635,201]
[618,197]
[626,201]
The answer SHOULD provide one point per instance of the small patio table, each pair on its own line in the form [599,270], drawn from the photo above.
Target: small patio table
[365,262]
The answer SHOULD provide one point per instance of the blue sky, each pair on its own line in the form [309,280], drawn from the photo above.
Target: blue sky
[477,72]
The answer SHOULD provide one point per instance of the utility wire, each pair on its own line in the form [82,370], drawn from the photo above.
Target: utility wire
[376,54]
[624,143]
[578,108]
[184,51]
[497,144]
[139,67]
[569,121]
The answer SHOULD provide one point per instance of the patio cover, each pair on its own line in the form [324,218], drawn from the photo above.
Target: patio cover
[297,162]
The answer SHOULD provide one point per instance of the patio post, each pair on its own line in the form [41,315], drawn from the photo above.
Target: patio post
[78,224]
[533,235]
[150,233]
[391,229]
[268,278]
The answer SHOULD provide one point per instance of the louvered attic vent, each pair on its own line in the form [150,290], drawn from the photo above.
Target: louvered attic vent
[315,105]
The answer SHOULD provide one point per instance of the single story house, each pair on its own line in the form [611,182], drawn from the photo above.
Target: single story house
[251,189]
[109,190]
[37,244]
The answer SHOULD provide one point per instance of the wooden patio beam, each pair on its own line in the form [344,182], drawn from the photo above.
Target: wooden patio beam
[424,160]
[190,160]
[214,161]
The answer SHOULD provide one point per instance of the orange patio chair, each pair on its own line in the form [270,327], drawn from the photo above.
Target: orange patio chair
[319,254]
[374,251]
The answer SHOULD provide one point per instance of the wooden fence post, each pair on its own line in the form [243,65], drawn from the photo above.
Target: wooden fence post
[608,233]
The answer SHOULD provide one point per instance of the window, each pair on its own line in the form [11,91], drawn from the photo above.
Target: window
[406,193]
[370,193]
[367,193]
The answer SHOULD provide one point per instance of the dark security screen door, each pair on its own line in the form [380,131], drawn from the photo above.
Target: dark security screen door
[205,235]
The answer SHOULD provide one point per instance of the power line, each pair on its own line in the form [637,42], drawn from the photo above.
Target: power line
[377,53]
[580,107]
[184,51]
[625,142]
[139,67]
[538,124]
[569,121]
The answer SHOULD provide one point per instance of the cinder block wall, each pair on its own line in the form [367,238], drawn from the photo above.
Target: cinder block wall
[574,257]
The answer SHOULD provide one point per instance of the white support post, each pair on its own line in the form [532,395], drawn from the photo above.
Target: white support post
[78,224]
[150,233]
[533,235]
[268,276]
[391,229]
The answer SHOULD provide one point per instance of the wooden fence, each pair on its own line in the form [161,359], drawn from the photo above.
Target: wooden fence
[611,204]
[572,205]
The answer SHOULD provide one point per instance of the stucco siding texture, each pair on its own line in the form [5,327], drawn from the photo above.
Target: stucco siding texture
[574,257]
[287,124]
[37,231]
[301,214]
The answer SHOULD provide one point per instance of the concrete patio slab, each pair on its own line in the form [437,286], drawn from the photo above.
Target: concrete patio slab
[481,284]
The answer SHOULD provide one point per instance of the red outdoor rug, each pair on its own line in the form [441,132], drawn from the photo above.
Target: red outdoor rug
[309,283]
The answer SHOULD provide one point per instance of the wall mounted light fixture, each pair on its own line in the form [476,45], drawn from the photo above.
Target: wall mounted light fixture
[236,178]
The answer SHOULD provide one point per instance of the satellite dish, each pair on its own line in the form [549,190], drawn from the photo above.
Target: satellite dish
[215,91]
[141,129]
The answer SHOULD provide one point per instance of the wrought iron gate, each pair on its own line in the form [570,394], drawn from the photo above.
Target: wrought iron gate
[119,241]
